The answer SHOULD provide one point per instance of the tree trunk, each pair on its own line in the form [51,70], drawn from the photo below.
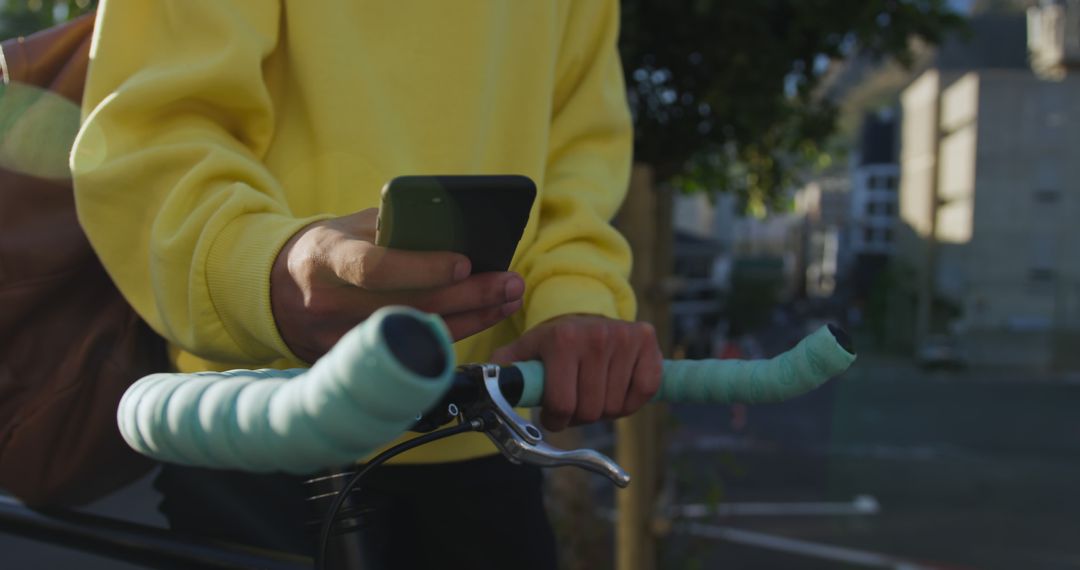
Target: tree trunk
[646,221]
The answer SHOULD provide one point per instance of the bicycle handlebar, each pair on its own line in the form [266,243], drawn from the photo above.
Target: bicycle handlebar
[817,358]
[369,388]
[360,395]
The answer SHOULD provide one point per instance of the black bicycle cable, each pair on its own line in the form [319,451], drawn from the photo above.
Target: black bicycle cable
[476,424]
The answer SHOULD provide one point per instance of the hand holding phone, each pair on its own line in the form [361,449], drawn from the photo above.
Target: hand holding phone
[482,217]
[330,276]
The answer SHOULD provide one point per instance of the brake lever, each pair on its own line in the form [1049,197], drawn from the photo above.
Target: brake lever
[521,442]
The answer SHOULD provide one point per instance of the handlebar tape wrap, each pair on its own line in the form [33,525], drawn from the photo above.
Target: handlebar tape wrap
[353,400]
[808,365]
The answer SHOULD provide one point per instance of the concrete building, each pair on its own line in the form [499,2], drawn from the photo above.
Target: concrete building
[875,176]
[779,237]
[874,184]
[1053,37]
[988,202]
[851,218]
[702,254]
[717,226]
[825,205]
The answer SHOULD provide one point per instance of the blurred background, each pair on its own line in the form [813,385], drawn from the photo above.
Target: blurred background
[900,167]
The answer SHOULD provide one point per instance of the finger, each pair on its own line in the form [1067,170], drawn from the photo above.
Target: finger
[620,371]
[502,356]
[506,355]
[648,368]
[526,347]
[365,265]
[464,325]
[593,375]
[477,292]
[560,380]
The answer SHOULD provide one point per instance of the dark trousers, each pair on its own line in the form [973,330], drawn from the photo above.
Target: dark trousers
[477,514]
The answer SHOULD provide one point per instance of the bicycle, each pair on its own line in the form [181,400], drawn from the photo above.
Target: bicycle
[367,391]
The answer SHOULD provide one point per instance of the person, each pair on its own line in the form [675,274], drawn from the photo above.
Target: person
[226,171]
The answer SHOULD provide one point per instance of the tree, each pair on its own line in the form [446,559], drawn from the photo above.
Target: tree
[725,93]
[22,17]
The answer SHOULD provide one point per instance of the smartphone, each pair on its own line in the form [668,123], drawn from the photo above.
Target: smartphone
[482,217]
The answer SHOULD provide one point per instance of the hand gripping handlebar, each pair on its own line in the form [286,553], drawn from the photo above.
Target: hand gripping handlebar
[371,386]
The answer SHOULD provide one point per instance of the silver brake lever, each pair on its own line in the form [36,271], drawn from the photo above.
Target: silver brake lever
[544,455]
[522,442]
[502,408]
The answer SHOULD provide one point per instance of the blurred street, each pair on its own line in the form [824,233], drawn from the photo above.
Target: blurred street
[969,470]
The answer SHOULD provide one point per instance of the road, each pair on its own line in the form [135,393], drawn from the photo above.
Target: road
[969,470]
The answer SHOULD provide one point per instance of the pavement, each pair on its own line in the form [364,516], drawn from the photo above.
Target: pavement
[967,469]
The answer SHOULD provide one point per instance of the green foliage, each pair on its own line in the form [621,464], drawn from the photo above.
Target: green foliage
[725,93]
[23,17]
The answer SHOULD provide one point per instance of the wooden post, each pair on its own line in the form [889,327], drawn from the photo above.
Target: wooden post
[645,220]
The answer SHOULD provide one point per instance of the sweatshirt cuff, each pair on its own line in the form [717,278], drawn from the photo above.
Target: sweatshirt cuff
[577,294]
[238,278]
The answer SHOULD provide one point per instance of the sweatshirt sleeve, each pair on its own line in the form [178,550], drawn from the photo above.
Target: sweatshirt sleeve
[579,263]
[169,181]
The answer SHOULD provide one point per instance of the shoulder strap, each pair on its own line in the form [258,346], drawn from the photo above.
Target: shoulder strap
[55,59]
[72,344]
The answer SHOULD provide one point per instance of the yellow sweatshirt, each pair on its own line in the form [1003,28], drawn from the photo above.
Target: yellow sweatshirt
[215,129]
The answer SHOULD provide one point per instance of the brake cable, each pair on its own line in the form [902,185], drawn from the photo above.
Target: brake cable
[476,424]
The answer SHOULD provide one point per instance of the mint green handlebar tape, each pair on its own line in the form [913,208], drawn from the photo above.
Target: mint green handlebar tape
[354,399]
[808,365]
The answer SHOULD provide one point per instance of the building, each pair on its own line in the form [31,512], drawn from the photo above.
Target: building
[851,219]
[874,183]
[875,176]
[1053,37]
[731,269]
[826,205]
[702,258]
[776,239]
[988,196]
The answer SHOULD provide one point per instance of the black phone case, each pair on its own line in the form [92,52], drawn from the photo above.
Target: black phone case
[482,217]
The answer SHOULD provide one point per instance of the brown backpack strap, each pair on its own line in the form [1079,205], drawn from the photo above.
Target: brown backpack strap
[55,59]
[72,343]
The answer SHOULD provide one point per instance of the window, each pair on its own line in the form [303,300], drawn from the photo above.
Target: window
[1042,261]
[872,182]
[881,208]
[1042,275]
[1047,195]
